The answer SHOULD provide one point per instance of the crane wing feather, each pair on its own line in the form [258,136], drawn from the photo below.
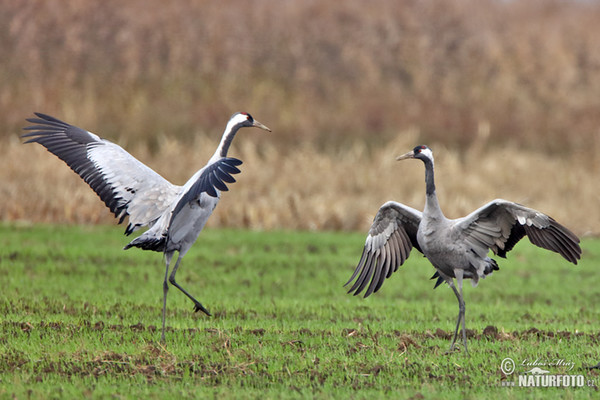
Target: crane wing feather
[388,244]
[386,271]
[230,166]
[127,186]
[501,224]
[224,175]
[211,179]
[370,268]
[364,272]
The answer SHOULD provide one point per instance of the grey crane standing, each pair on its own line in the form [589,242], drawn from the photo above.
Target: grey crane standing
[457,248]
[175,215]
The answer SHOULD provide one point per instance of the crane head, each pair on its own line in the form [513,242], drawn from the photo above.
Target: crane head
[423,153]
[245,119]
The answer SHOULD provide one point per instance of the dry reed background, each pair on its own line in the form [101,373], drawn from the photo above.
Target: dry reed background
[506,93]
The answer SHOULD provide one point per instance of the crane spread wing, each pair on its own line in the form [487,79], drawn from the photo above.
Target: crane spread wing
[388,244]
[212,178]
[500,224]
[127,186]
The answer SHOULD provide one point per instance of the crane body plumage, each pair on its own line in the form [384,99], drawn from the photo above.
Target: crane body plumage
[457,248]
[175,215]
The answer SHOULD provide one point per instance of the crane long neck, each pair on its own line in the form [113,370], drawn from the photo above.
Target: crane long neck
[230,131]
[429,180]
[432,207]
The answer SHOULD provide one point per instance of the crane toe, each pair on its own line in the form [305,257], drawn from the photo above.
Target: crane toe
[200,307]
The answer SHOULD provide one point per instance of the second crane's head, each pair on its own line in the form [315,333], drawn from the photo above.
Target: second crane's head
[423,153]
[242,119]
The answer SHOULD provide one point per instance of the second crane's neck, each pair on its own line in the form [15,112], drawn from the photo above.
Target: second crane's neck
[432,207]
[429,179]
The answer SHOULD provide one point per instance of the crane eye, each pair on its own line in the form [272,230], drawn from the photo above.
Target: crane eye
[248,116]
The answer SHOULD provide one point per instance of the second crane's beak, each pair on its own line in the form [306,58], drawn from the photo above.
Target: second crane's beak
[261,126]
[410,154]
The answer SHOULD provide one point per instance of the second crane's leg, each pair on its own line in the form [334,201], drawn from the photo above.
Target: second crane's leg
[198,306]
[451,284]
[461,312]
[168,257]
[459,283]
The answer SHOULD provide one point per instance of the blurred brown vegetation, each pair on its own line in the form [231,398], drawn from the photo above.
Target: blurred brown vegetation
[507,93]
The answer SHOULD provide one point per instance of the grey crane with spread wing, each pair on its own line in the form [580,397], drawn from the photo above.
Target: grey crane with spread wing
[457,248]
[175,215]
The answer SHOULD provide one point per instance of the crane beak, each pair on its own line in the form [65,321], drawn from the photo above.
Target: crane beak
[410,154]
[261,126]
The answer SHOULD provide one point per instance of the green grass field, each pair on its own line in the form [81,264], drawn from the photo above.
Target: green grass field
[80,318]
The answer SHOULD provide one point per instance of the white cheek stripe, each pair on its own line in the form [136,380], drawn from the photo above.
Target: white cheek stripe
[428,153]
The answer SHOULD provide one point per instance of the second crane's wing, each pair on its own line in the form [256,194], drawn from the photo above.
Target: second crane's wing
[500,224]
[391,237]
[127,186]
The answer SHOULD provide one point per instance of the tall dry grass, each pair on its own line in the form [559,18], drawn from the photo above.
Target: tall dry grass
[505,92]
[308,189]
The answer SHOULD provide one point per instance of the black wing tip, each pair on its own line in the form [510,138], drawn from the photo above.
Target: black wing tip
[44,119]
[439,281]
[69,144]
[373,272]
[358,291]
[213,178]
[233,160]
[567,242]
[216,178]
[570,241]
[377,265]
[47,117]
[347,283]
[43,126]
[30,135]
[554,237]
[356,288]
[361,286]
[557,238]
[148,244]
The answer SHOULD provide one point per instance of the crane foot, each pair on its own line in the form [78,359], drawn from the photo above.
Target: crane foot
[200,307]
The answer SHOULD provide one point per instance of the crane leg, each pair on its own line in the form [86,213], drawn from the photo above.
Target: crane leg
[168,257]
[198,306]
[461,313]
[464,329]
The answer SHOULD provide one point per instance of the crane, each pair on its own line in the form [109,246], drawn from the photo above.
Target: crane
[457,248]
[174,215]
